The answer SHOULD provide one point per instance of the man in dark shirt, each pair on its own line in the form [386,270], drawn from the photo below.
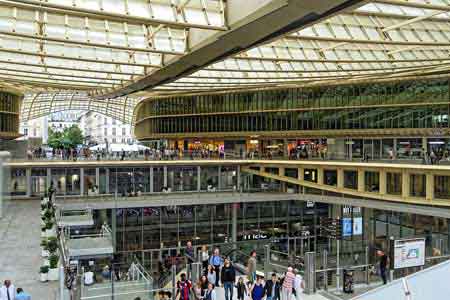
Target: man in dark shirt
[272,288]
[383,265]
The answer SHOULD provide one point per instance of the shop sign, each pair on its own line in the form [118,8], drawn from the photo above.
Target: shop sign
[409,253]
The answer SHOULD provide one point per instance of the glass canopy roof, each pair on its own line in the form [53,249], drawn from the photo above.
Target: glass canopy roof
[65,49]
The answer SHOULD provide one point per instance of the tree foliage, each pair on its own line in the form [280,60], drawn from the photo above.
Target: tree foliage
[69,138]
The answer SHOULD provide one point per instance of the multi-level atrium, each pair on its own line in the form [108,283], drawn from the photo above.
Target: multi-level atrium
[314,132]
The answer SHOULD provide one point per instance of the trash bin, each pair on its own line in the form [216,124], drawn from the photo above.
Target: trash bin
[348,281]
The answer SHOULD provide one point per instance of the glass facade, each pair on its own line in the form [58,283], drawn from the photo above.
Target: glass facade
[404,104]
[9,112]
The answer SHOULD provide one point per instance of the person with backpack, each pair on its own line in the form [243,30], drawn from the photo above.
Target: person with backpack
[184,287]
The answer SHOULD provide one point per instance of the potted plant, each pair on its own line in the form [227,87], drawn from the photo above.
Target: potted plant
[50,230]
[52,245]
[53,272]
[44,252]
[48,214]
[44,273]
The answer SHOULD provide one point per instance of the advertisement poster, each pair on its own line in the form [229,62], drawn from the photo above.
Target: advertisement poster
[409,253]
[347,227]
[357,226]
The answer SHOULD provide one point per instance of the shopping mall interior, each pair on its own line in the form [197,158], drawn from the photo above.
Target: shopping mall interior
[174,149]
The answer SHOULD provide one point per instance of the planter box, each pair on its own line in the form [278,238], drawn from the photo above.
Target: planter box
[44,253]
[53,274]
[44,277]
[50,232]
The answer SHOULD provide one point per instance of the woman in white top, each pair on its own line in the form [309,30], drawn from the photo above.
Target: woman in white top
[298,286]
[211,275]
[204,257]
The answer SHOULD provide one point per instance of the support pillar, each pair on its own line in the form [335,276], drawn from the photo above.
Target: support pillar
[199,178]
[107,181]
[28,180]
[301,174]
[406,183]
[49,179]
[394,149]
[97,179]
[219,179]
[340,178]
[238,178]
[425,144]
[382,181]
[234,213]
[114,227]
[361,180]
[151,180]
[429,187]
[281,172]
[320,175]
[285,148]
[165,176]
[81,181]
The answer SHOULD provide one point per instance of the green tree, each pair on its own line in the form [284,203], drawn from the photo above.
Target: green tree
[54,138]
[73,136]
[69,138]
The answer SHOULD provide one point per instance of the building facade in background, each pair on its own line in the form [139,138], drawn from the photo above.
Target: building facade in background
[99,129]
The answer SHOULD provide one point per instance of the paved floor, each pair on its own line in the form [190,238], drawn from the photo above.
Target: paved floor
[20,248]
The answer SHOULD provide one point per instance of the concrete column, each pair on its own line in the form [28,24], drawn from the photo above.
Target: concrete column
[281,171]
[340,178]
[382,180]
[394,149]
[219,179]
[301,174]
[49,178]
[234,212]
[165,176]
[199,178]
[107,181]
[430,187]
[97,178]
[361,180]
[406,183]
[238,179]
[114,227]
[425,143]
[151,180]
[320,175]
[81,181]
[29,183]
[285,148]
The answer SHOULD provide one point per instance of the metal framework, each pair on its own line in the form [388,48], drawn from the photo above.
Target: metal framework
[119,47]
[40,104]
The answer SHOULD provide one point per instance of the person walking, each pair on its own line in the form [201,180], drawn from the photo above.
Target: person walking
[383,265]
[210,293]
[204,257]
[228,277]
[257,292]
[288,284]
[7,291]
[272,288]
[21,295]
[299,286]
[251,267]
[212,275]
[241,289]
[216,261]
[184,287]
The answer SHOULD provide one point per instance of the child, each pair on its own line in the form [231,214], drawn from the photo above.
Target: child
[241,289]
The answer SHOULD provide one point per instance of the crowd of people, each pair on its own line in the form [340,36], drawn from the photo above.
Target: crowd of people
[219,271]
[9,292]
